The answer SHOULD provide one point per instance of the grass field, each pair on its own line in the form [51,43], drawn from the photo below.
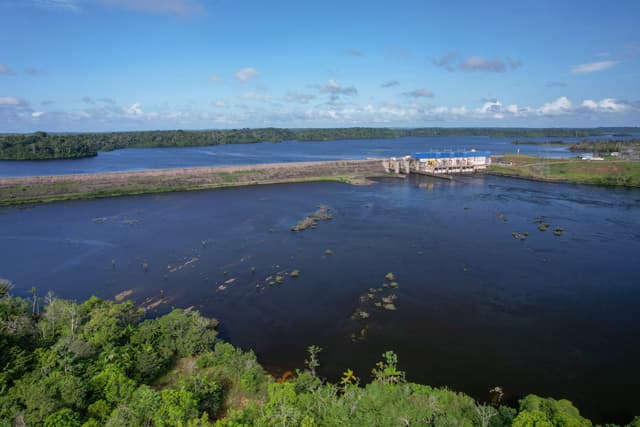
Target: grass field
[575,170]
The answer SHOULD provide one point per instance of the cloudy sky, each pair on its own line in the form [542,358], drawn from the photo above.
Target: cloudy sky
[99,65]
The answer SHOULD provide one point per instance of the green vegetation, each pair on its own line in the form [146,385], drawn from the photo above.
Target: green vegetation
[41,145]
[100,364]
[599,172]
[608,146]
[311,220]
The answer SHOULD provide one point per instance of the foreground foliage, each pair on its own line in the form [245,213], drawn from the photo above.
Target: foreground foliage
[102,364]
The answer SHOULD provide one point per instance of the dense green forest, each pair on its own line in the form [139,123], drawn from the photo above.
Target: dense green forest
[41,145]
[100,363]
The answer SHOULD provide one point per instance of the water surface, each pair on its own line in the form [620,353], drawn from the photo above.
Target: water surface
[476,308]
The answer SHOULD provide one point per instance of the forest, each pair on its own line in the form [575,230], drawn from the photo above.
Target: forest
[102,363]
[47,146]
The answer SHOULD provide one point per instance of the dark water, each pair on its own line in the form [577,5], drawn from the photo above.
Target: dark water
[476,308]
[266,152]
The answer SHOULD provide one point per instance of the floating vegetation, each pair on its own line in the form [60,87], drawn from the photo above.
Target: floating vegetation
[520,236]
[152,303]
[311,220]
[328,252]
[543,226]
[145,266]
[123,295]
[100,220]
[375,297]
[558,231]
[279,279]
[174,268]
[502,217]
[295,273]
[389,299]
[360,315]
[130,221]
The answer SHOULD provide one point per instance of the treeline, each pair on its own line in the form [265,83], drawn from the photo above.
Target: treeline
[41,145]
[100,363]
[607,146]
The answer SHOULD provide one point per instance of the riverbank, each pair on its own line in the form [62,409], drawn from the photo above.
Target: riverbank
[39,189]
[624,173]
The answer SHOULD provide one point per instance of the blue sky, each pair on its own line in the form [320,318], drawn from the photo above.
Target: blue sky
[100,65]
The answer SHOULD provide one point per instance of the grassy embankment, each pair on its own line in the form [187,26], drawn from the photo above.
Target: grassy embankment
[14,191]
[574,170]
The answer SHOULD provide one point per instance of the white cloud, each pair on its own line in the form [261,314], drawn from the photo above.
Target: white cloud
[593,67]
[214,78]
[9,100]
[135,110]
[561,105]
[244,74]
[605,105]
[478,63]
[177,7]
[17,115]
[334,88]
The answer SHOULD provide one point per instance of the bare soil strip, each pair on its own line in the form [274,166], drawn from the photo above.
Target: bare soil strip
[36,189]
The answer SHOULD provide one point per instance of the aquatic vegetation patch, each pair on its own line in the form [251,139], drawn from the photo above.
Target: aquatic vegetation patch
[558,231]
[520,236]
[373,298]
[177,267]
[311,220]
[123,295]
[502,217]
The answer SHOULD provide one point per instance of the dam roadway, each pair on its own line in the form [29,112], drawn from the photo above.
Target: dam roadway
[35,189]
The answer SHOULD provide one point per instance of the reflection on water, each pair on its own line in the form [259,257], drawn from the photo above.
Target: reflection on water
[475,308]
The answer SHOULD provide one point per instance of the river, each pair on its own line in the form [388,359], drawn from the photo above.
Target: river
[476,308]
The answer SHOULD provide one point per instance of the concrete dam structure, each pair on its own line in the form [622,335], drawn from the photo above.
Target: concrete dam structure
[439,162]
